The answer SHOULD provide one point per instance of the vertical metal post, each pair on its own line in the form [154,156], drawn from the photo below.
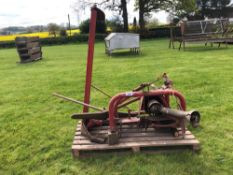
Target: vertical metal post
[69,23]
[91,43]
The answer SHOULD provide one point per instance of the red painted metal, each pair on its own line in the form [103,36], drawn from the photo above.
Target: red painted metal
[119,98]
[91,43]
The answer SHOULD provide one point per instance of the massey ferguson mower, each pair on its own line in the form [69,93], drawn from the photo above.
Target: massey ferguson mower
[154,108]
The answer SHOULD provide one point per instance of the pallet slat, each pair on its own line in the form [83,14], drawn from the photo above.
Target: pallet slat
[133,139]
[80,137]
[133,144]
[134,134]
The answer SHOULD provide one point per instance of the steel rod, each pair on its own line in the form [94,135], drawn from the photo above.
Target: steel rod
[128,102]
[107,95]
[101,91]
[78,102]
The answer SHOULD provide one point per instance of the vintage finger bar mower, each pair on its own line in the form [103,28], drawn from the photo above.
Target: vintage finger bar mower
[154,123]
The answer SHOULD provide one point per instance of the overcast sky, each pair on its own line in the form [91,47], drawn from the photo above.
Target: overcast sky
[42,12]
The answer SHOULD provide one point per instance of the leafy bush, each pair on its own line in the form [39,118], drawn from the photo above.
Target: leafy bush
[115,24]
[77,38]
[160,32]
[63,33]
[157,32]
[53,29]
[73,39]
[100,26]
[7,44]
[152,23]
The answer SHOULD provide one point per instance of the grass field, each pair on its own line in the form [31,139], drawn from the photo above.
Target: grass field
[36,131]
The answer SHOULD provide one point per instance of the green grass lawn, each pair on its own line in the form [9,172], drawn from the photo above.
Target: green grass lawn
[36,131]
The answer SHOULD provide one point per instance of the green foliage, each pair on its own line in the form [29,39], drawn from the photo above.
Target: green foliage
[63,32]
[184,8]
[76,38]
[135,27]
[152,23]
[115,24]
[7,44]
[145,7]
[153,32]
[79,38]
[53,29]
[215,8]
[156,32]
[36,131]
[100,26]
[135,22]
[213,3]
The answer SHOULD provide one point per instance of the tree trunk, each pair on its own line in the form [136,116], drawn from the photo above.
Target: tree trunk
[125,15]
[141,15]
[203,12]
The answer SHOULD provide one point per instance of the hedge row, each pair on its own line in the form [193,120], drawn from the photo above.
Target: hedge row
[151,33]
[58,40]
[160,32]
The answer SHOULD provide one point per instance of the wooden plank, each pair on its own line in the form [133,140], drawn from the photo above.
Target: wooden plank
[30,53]
[126,128]
[26,57]
[36,58]
[134,144]
[136,149]
[133,139]
[138,139]
[32,45]
[28,45]
[133,134]
[34,50]
[75,152]
[80,137]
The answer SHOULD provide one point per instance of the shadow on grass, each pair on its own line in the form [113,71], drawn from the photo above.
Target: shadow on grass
[204,48]
[126,54]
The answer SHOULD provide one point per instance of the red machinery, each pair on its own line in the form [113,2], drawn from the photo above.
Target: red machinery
[154,104]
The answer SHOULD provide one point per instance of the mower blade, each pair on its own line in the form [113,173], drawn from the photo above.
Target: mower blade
[94,115]
[101,115]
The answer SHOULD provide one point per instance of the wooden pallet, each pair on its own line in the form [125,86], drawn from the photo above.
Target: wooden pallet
[29,49]
[134,139]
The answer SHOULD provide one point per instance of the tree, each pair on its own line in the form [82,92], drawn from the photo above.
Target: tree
[214,8]
[115,24]
[123,7]
[183,8]
[135,25]
[100,26]
[134,22]
[145,7]
[63,32]
[114,5]
[53,29]
[152,23]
